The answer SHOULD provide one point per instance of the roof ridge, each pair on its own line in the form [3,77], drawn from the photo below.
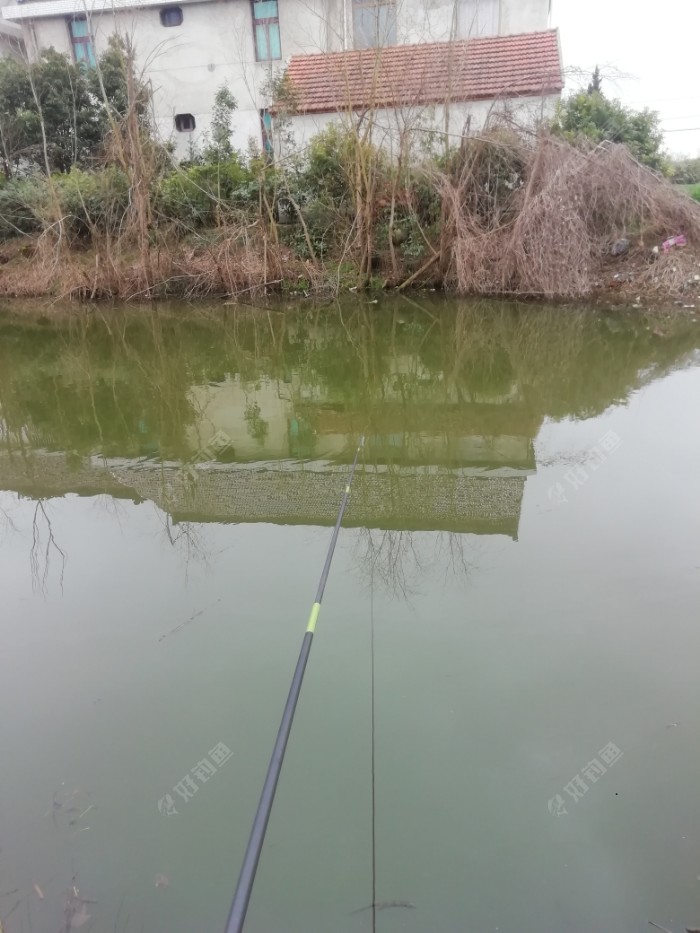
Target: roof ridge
[378,50]
[514,35]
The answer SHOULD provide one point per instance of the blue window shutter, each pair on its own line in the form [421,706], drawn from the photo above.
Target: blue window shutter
[265,9]
[79,28]
[261,52]
[275,44]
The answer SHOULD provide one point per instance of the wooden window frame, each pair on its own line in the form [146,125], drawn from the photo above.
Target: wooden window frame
[265,22]
[82,41]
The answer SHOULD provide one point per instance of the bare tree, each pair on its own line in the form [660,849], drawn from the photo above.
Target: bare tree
[44,547]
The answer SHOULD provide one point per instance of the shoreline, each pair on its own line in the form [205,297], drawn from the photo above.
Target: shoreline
[81,277]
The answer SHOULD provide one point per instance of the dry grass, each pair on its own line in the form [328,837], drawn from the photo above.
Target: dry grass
[235,265]
[553,236]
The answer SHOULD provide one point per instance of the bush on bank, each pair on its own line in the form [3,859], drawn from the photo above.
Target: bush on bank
[202,195]
[502,213]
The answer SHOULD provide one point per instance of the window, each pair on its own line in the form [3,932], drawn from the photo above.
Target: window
[479,18]
[81,40]
[171,16]
[374,23]
[267,138]
[266,30]
[184,122]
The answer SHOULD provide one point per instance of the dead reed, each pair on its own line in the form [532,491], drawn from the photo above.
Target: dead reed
[552,220]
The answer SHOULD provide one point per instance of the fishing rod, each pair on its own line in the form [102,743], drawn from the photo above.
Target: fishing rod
[246,879]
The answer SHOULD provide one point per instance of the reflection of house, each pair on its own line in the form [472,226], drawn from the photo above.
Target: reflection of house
[411,421]
[277,452]
[407,498]
[443,451]
[189,48]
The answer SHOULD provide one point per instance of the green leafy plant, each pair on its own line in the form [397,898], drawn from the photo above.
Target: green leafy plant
[200,195]
[218,147]
[257,426]
[56,114]
[685,171]
[590,115]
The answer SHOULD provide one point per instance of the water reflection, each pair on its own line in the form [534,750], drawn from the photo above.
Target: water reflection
[250,417]
[136,435]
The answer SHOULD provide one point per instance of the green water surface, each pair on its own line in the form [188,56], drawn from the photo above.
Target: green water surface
[523,535]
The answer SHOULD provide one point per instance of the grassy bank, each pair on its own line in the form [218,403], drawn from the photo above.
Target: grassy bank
[94,205]
[506,213]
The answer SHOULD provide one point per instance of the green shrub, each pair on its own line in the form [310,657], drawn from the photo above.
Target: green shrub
[93,199]
[685,171]
[198,196]
[84,199]
[328,162]
[333,157]
[695,192]
[21,201]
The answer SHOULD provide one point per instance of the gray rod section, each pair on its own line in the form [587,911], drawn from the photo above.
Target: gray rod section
[246,879]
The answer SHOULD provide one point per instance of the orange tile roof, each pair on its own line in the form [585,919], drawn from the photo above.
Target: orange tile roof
[428,73]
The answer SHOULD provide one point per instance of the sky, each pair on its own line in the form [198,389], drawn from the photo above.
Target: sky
[654,49]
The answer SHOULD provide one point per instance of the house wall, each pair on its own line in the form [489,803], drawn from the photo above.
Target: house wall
[443,20]
[524,16]
[186,64]
[427,124]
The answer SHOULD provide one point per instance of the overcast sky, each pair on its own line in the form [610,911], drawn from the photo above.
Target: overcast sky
[655,44]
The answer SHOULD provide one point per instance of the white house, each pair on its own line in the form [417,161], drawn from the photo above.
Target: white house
[189,48]
[429,89]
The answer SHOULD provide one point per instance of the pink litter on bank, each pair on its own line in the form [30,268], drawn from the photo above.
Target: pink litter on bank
[679,240]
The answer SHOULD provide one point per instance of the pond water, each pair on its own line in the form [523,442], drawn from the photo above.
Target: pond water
[522,538]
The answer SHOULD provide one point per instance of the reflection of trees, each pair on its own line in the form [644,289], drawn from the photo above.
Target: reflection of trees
[398,560]
[44,547]
[89,385]
[120,384]
[390,557]
[6,522]
[186,539]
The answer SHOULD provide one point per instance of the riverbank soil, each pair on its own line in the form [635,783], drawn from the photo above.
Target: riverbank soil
[642,277]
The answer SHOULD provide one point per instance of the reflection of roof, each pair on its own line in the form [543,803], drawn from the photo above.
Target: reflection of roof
[406,499]
[455,420]
[40,474]
[287,492]
[428,73]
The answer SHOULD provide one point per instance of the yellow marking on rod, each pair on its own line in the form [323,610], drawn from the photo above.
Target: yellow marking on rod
[347,489]
[315,609]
